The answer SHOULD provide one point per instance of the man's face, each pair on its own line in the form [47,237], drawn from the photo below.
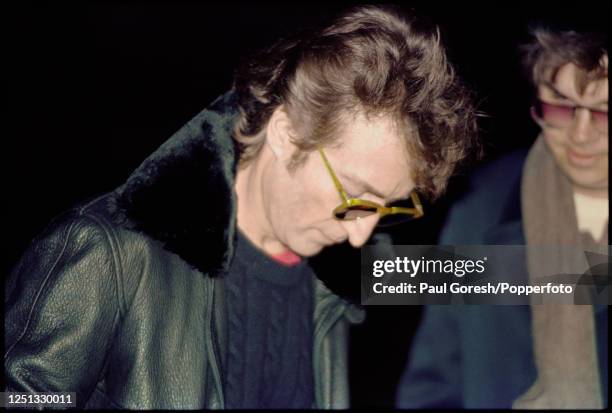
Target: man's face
[299,205]
[580,149]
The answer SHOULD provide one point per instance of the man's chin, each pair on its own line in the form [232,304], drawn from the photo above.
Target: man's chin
[589,186]
[308,249]
[588,180]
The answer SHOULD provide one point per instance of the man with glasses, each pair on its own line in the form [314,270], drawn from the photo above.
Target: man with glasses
[538,356]
[188,287]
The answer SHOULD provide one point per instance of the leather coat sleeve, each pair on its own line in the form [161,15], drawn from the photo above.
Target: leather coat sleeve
[62,309]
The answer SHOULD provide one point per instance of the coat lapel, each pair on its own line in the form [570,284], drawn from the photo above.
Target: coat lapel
[509,231]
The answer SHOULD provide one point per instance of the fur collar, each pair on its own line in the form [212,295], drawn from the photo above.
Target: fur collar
[183,194]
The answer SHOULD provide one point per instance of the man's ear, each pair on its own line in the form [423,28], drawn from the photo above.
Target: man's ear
[278,134]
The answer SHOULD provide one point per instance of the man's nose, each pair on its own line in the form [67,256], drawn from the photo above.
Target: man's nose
[359,230]
[581,126]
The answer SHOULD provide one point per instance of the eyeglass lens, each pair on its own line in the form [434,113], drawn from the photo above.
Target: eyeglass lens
[394,219]
[355,211]
[558,115]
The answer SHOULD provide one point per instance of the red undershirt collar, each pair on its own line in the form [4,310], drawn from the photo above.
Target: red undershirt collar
[287,257]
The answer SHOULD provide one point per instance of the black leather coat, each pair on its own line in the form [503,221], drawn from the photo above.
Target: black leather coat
[121,299]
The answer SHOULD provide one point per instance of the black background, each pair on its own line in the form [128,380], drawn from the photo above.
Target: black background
[94,88]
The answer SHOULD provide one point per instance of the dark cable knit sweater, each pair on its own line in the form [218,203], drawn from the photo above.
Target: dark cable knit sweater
[270,335]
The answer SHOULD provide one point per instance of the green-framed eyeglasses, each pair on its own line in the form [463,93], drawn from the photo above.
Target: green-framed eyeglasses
[355,208]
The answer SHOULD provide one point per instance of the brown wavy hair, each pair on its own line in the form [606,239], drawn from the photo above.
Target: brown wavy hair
[548,50]
[372,60]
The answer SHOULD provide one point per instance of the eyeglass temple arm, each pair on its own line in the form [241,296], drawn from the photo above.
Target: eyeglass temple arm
[417,202]
[337,183]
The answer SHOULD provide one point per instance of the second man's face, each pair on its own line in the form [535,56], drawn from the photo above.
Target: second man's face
[580,147]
